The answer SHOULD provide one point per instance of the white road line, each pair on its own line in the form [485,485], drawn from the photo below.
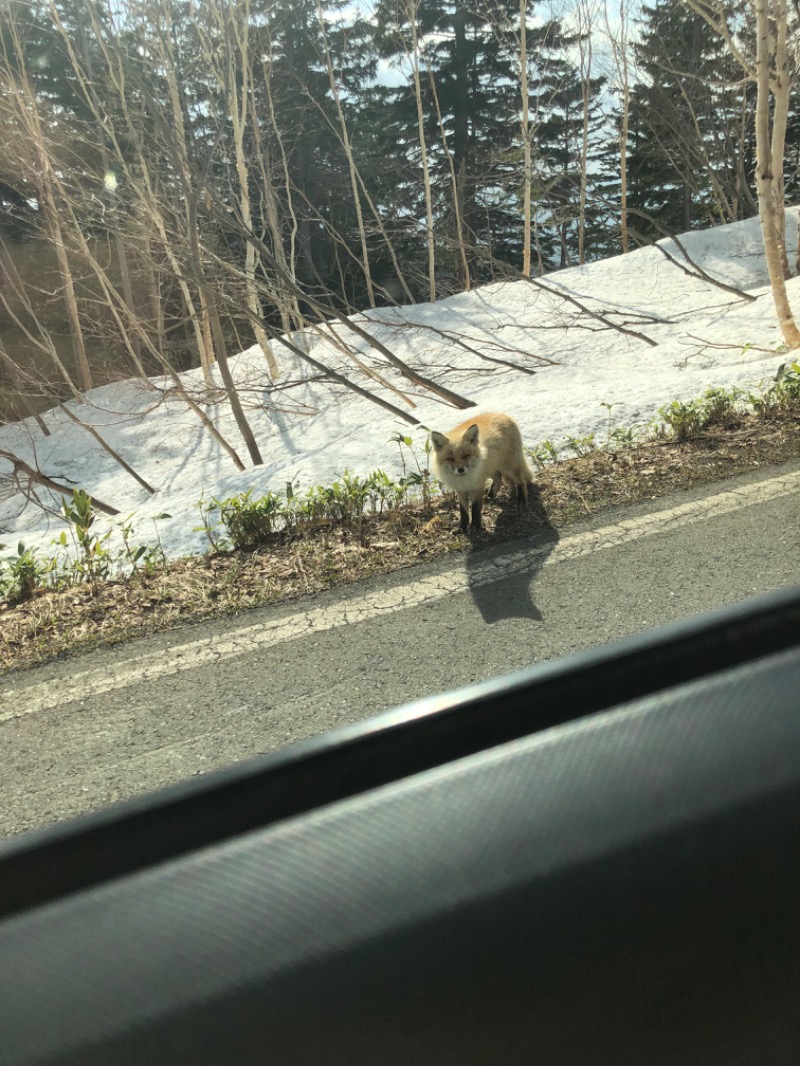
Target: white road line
[28,699]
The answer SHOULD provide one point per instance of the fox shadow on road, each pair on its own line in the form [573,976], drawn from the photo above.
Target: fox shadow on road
[498,597]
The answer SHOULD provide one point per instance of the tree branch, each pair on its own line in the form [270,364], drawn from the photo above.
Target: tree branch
[42,479]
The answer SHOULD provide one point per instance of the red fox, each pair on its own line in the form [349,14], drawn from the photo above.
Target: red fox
[486,446]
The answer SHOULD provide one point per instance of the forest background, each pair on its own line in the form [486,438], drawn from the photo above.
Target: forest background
[179,180]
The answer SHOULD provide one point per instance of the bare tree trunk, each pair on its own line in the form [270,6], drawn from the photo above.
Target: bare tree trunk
[44,342]
[31,120]
[143,188]
[236,35]
[290,265]
[79,65]
[461,147]
[68,291]
[117,305]
[127,286]
[527,170]
[538,245]
[426,180]
[376,215]
[585,16]
[106,447]
[176,142]
[623,181]
[154,291]
[17,381]
[178,148]
[772,73]
[56,235]
[781,86]
[140,184]
[619,48]
[460,241]
[349,154]
[288,307]
[199,320]
[770,197]
[216,329]
[723,205]
[408,372]
[145,193]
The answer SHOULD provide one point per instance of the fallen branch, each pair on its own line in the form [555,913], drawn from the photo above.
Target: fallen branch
[15,376]
[346,350]
[738,344]
[666,235]
[106,447]
[700,273]
[334,375]
[47,482]
[458,338]
[326,311]
[539,284]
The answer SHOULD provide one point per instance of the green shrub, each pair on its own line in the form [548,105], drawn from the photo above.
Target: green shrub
[719,406]
[22,576]
[94,560]
[582,445]
[544,453]
[250,520]
[683,420]
[787,384]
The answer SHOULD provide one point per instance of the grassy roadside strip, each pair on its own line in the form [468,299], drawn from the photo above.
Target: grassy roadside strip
[695,444]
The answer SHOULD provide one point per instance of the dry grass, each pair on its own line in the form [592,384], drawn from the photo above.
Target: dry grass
[67,621]
[581,487]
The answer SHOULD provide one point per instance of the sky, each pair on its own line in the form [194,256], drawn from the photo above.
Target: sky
[587,378]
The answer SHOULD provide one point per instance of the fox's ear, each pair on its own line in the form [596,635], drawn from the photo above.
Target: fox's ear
[471,435]
[439,440]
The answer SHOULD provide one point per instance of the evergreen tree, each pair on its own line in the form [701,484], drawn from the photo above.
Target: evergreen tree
[470,80]
[692,154]
[470,49]
[301,131]
[32,48]
[557,96]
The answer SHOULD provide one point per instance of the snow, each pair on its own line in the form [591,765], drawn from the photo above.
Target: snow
[310,431]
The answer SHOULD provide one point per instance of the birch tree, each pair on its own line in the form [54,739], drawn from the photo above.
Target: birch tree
[585,18]
[617,36]
[34,151]
[527,169]
[423,148]
[774,68]
[236,77]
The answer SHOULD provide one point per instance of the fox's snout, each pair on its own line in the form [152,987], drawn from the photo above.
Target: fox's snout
[459,470]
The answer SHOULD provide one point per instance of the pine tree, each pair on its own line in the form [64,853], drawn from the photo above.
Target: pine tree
[470,90]
[692,156]
[471,100]
[302,135]
[557,98]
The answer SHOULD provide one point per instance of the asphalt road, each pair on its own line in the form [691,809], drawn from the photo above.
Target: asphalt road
[82,733]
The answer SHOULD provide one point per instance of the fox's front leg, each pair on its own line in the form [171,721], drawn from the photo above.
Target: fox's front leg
[463,504]
[477,506]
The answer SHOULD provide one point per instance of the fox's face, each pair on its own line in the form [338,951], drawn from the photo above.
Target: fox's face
[457,458]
